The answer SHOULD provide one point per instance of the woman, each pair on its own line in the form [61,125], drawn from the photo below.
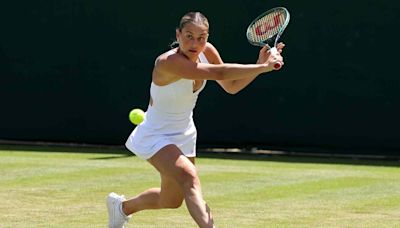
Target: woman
[167,137]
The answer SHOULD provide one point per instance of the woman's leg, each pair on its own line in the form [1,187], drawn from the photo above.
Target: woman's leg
[170,195]
[179,180]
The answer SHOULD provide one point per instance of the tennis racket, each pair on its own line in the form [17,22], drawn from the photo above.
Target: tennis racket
[267,28]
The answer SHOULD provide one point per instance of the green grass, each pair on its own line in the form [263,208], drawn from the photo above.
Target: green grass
[66,187]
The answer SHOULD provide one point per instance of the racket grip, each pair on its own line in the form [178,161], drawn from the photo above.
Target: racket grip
[273,50]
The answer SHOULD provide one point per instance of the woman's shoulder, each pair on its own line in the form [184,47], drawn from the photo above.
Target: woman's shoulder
[212,53]
[167,57]
[210,47]
[164,64]
[167,54]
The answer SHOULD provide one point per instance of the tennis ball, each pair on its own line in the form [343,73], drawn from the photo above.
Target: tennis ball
[136,116]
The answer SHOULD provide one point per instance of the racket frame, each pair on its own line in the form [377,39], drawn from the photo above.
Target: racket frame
[280,31]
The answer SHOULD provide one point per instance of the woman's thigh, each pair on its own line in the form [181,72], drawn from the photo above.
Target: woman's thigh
[172,163]
[173,167]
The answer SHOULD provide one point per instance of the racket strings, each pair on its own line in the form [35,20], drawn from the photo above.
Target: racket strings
[267,26]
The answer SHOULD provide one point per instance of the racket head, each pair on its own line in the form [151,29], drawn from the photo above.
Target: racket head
[267,26]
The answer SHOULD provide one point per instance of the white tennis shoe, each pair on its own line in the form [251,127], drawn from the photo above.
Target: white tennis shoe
[116,218]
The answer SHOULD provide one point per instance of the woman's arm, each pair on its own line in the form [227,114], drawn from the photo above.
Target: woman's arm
[235,86]
[176,66]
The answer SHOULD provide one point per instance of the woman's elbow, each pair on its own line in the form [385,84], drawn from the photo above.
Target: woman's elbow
[232,91]
[229,87]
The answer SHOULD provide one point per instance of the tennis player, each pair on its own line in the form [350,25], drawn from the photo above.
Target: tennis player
[167,136]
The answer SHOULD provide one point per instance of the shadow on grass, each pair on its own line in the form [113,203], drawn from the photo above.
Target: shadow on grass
[113,152]
[64,148]
[116,152]
[302,158]
[112,157]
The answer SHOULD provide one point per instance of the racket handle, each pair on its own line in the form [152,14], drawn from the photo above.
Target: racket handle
[273,50]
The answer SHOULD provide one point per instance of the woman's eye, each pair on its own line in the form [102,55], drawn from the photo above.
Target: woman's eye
[189,37]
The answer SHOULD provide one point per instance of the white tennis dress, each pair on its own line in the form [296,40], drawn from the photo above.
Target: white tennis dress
[169,120]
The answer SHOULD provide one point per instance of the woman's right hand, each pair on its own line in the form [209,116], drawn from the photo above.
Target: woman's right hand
[270,59]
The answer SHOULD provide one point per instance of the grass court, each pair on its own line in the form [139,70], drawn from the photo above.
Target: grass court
[67,187]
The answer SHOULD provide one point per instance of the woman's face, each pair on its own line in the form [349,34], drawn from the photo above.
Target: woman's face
[192,39]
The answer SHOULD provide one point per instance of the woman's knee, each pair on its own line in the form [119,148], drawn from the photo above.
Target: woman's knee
[168,203]
[182,171]
[171,195]
[171,163]
[188,177]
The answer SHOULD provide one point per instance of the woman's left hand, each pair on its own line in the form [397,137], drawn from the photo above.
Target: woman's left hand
[264,53]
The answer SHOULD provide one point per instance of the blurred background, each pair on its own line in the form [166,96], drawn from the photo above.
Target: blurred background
[70,72]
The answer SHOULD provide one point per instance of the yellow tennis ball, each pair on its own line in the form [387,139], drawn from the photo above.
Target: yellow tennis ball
[136,116]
